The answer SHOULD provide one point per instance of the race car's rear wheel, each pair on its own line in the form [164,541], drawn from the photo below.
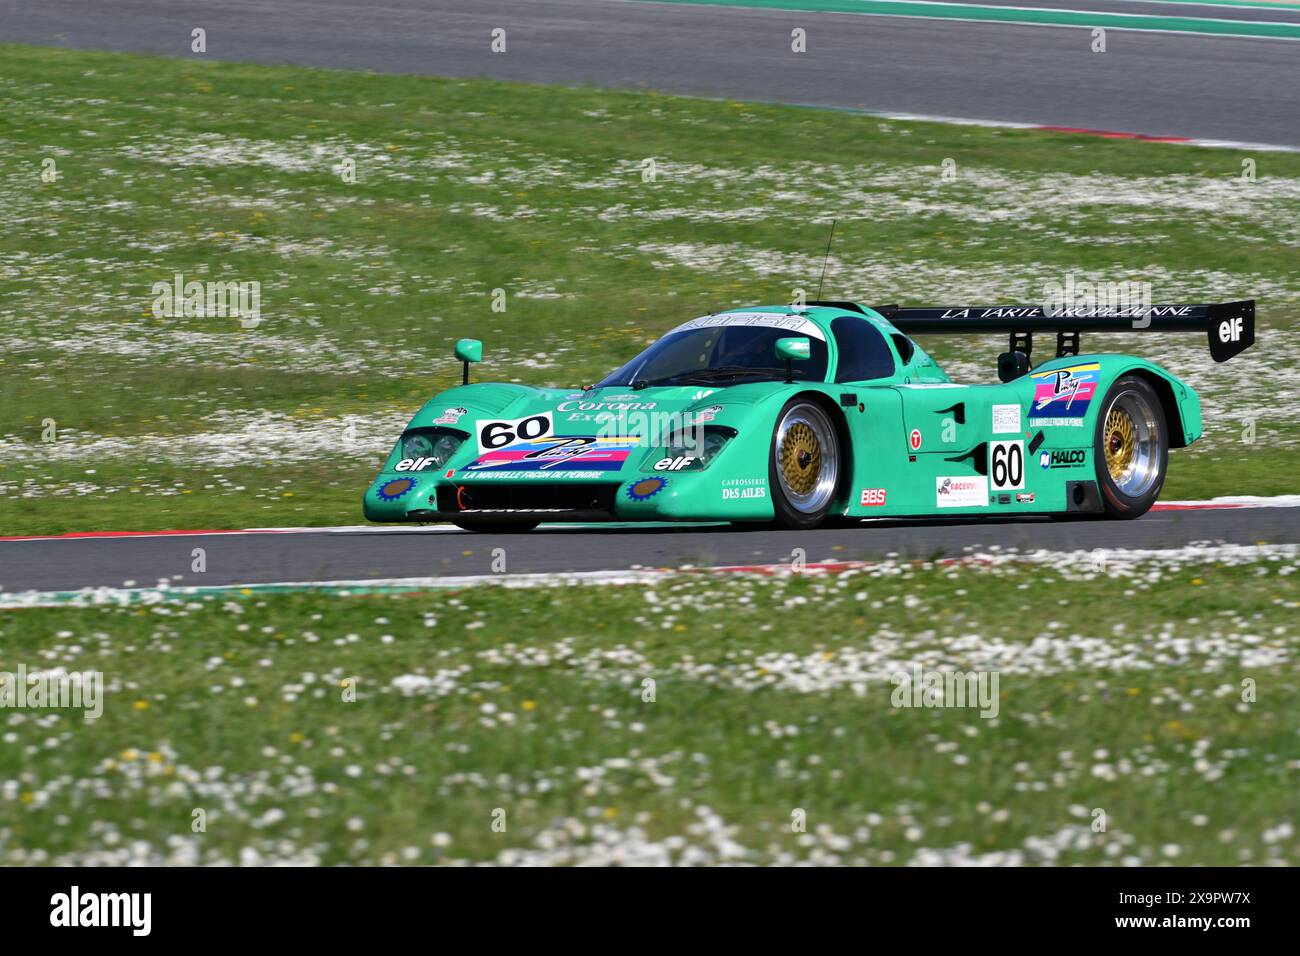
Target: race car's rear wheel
[804,465]
[1131,448]
[499,527]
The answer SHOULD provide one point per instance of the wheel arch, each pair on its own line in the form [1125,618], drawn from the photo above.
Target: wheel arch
[1164,390]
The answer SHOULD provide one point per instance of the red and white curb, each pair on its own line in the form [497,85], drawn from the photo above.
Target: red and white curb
[1084,131]
[1230,501]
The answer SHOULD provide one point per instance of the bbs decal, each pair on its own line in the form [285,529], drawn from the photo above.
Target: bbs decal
[1007,464]
[494,435]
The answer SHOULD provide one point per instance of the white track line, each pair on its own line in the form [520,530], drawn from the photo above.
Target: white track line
[107,596]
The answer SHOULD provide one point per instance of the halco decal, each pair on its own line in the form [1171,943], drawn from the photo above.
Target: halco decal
[1006,419]
[559,453]
[872,496]
[450,416]
[1062,459]
[1061,396]
[646,488]
[392,490]
[914,439]
[963,492]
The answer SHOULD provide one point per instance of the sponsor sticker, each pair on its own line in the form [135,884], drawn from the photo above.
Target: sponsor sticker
[1006,419]
[873,496]
[646,488]
[674,464]
[392,490]
[555,453]
[963,492]
[1025,498]
[450,416]
[1062,396]
[1062,459]
[914,439]
[741,488]
[414,464]
[795,324]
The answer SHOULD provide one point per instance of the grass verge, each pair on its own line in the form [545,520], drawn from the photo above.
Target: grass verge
[693,721]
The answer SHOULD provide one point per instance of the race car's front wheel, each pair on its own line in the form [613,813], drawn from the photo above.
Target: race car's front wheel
[804,465]
[1130,448]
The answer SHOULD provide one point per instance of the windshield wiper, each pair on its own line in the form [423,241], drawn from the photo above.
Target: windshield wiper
[705,374]
[732,371]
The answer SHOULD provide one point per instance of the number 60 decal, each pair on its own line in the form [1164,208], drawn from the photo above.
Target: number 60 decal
[1007,464]
[494,435]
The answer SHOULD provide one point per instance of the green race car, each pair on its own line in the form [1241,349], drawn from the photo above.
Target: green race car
[796,415]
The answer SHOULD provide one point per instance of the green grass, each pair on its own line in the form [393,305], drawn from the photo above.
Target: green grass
[227,171]
[533,703]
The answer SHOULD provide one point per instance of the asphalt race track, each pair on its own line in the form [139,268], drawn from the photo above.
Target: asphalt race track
[358,555]
[1151,83]
[1160,84]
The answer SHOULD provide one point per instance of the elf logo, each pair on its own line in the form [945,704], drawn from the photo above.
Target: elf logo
[414,464]
[674,464]
[1062,459]
[132,910]
[1230,331]
[873,496]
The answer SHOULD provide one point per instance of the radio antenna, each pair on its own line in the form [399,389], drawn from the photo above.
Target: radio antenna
[827,259]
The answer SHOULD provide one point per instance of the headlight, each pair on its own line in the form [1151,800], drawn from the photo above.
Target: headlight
[427,448]
[692,449]
[417,445]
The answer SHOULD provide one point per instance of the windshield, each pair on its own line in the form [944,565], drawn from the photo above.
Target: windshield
[717,355]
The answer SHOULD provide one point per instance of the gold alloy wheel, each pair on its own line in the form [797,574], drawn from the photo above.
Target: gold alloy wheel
[801,458]
[806,458]
[1119,442]
[1132,443]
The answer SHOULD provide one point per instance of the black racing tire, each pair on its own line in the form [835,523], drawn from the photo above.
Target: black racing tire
[1130,448]
[804,465]
[495,527]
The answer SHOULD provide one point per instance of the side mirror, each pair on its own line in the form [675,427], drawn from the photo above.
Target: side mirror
[796,348]
[468,350]
[1012,365]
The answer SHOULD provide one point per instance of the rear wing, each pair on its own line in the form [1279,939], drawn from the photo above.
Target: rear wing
[1229,327]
